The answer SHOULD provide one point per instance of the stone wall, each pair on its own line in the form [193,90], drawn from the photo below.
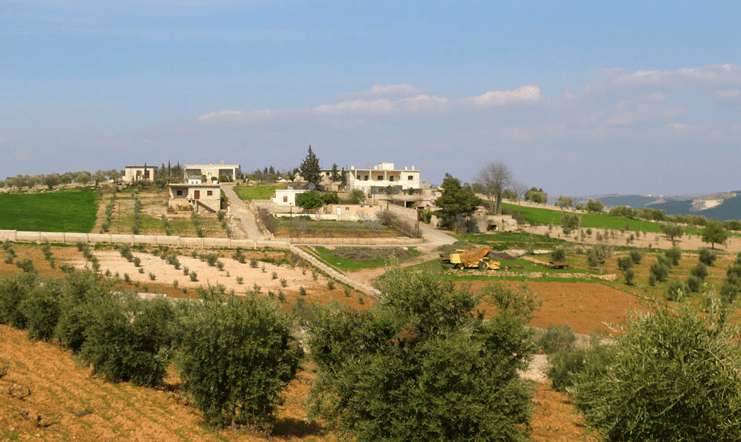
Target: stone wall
[176,241]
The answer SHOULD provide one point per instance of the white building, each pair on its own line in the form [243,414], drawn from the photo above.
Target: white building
[382,176]
[286,197]
[212,171]
[139,173]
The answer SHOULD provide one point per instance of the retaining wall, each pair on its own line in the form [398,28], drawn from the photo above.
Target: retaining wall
[176,241]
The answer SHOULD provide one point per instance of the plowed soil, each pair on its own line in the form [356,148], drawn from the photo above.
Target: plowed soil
[584,306]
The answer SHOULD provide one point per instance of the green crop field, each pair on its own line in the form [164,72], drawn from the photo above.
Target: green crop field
[250,193]
[356,258]
[66,211]
[535,215]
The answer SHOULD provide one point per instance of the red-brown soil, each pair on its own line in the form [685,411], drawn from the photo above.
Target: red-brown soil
[584,306]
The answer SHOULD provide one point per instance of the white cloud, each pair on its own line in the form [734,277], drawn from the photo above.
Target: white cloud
[681,128]
[727,94]
[391,90]
[240,116]
[411,105]
[488,99]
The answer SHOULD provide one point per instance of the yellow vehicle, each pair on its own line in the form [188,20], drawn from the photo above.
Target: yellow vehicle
[472,259]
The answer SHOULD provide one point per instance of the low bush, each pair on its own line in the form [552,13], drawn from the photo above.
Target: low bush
[707,257]
[671,377]
[128,338]
[676,290]
[673,255]
[236,357]
[556,338]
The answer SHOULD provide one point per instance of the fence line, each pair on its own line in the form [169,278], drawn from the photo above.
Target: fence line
[177,241]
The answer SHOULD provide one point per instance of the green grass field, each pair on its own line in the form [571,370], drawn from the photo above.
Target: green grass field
[356,258]
[507,240]
[64,211]
[535,215]
[250,193]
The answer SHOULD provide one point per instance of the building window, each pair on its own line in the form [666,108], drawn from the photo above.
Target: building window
[210,193]
[380,177]
[366,177]
[411,177]
[391,178]
[347,208]
[285,199]
[180,193]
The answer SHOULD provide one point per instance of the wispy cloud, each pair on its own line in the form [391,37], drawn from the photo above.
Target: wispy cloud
[391,90]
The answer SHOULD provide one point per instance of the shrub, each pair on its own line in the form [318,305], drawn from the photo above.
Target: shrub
[127,338]
[676,290]
[83,292]
[193,276]
[670,378]
[558,254]
[694,284]
[660,271]
[556,338]
[283,282]
[629,276]
[674,255]
[707,257]
[302,291]
[13,292]
[275,275]
[253,263]
[236,357]
[41,309]
[625,263]
[651,279]
[26,265]
[423,349]
[699,271]
[239,256]
[571,361]
[211,259]
[330,284]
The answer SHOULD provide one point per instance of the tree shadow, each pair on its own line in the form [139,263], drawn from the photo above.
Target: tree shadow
[290,427]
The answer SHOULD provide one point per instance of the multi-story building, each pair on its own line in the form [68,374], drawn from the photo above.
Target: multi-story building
[212,172]
[382,177]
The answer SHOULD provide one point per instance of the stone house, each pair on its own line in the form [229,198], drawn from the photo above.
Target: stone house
[195,197]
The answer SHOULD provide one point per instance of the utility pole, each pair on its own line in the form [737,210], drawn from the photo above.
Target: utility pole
[290,225]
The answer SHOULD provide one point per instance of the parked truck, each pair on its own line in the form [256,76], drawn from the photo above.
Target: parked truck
[472,259]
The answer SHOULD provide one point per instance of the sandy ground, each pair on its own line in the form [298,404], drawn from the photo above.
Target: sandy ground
[267,276]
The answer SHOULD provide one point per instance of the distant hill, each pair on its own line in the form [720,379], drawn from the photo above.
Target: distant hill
[720,206]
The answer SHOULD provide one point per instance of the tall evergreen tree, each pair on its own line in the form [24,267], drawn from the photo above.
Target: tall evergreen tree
[310,170]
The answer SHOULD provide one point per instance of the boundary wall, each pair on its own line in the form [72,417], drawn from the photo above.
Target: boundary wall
[176,241]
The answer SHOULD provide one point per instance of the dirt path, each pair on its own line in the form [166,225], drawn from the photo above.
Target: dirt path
[242,211]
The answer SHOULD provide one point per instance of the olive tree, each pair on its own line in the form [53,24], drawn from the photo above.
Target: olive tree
[423,365]
[670,376]
[714,233]
[565,202]
[236,357]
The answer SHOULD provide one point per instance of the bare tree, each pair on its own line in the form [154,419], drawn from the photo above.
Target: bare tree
[495,176]
[520,190]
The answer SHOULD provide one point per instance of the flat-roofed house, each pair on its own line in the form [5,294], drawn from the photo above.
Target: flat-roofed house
[133,174]
[213,171]
[195,196]
[382,176]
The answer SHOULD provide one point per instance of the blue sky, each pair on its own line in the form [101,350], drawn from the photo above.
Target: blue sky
[575,97]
